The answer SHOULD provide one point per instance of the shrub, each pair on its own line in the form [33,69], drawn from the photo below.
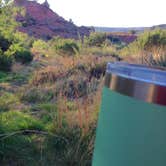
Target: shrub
[149,47]
[96,39]
[66,46]
[23,39]
[40,45]
[23,56]
[19,53]
[155,46]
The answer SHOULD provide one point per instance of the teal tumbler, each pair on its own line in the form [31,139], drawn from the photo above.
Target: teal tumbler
[132,122]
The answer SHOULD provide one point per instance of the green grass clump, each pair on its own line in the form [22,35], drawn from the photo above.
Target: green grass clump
[45,107]
[45,112]
[17,145]
[16,121]
[12,77]
[18,150]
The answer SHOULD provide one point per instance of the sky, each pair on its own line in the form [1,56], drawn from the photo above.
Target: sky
[111,13]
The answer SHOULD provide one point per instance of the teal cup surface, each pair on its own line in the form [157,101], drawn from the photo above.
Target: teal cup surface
[132,122]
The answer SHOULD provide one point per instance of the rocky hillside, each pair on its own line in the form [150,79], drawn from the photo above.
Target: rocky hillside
[41,22]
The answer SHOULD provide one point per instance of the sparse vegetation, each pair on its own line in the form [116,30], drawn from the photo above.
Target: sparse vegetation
[149,48]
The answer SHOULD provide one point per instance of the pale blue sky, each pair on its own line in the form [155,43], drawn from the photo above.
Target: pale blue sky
[111,13]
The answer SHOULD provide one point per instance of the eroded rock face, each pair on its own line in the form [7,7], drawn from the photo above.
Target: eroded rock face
[41,22]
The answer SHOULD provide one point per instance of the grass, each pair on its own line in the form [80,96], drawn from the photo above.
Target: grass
[8,101]
[47,136]
[12,77]
[53,128]
[49,108]
[15,121]
[3,76]
[35,95]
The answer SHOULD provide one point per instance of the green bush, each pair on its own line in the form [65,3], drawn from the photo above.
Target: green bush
[23,39]
[20,53]
[96,39]
[40,45]
[149,48]
[66,46]
[23,56]
[155,46]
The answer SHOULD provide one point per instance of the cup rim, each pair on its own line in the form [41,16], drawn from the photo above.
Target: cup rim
[137,81]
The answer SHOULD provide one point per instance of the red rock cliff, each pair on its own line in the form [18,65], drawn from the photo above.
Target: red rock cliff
[41,22]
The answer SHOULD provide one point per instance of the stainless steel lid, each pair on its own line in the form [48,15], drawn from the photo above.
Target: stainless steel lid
[138,81]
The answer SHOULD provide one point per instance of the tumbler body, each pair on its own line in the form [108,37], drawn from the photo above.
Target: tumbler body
[131,131]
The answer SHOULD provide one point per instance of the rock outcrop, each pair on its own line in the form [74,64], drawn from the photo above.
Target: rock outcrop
[41,22]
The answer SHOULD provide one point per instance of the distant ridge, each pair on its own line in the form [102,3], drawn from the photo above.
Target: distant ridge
[125,29]
[162,26]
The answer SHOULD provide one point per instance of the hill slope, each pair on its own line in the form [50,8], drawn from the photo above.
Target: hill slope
[41,22]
